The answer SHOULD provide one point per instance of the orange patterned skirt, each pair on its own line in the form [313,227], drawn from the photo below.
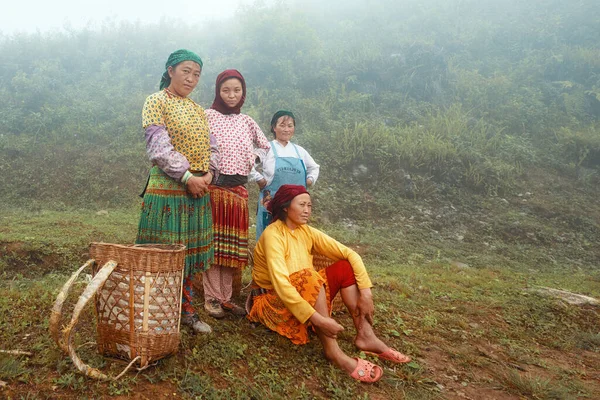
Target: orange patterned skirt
[269,310]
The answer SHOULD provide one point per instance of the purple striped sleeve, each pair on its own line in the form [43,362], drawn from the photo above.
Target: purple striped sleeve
[162,153]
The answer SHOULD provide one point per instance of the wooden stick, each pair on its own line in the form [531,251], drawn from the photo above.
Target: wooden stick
[17,352]
[146,301]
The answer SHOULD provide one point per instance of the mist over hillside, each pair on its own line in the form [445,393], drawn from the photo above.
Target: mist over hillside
[459,145]
[465,95]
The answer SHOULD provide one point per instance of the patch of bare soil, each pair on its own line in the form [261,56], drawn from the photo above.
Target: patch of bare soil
[458,382]
[474,369]
[142,391]
[28,261]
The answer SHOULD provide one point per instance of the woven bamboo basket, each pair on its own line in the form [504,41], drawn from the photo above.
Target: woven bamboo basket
[137,300]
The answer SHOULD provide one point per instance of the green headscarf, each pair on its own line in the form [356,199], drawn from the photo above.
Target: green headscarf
[175,58]
[280,114]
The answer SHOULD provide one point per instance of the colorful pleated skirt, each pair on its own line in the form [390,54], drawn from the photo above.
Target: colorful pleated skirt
[170,215]
[230,225]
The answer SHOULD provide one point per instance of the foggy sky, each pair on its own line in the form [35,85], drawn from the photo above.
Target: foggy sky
[45,15]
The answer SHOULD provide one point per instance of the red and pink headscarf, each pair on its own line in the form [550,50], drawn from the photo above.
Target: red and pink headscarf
[218,104]
[284,195]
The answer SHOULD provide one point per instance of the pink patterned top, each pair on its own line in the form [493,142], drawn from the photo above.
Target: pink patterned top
[237,136]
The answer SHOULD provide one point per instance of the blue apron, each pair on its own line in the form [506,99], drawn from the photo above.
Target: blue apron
[288,171]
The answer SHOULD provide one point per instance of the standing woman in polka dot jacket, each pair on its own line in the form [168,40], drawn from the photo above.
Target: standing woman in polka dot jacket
[176,205]
[237,136]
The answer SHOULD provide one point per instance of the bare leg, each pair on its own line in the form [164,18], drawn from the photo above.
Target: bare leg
[365,336]
[330,346]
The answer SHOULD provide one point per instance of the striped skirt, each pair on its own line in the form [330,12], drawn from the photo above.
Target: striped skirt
[230,225]
[171,216]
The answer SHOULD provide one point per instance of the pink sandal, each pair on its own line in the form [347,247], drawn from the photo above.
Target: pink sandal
[391,355]
[363,371]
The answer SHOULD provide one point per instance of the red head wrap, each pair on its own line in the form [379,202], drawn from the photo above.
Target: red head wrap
[285,194]
[218,104]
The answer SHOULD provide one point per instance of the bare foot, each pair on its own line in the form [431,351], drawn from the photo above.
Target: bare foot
[372,344]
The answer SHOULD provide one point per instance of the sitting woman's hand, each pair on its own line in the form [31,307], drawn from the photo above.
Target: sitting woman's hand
[197,186]
[262,183]
[327,325]
[365,305]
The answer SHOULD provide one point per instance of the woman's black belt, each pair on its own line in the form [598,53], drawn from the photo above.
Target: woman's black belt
[231,180]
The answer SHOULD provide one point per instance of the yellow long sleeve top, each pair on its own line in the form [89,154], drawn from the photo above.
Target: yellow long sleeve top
[280,252]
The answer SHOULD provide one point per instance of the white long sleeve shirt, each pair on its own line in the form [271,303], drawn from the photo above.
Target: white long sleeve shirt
[268,162]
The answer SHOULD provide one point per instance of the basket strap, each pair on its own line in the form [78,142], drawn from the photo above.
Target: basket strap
[67,336]
[56,314]
[91,289]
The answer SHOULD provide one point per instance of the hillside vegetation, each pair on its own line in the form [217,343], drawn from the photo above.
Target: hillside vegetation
[459,144]
[460,96]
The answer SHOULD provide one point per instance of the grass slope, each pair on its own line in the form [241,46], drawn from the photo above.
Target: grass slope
[452,290]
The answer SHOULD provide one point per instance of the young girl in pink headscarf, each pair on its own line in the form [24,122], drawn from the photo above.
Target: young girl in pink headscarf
[237,136]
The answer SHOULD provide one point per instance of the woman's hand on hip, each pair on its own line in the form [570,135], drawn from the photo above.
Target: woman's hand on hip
[197,186]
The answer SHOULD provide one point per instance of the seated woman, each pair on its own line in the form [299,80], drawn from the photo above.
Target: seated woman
[290,293]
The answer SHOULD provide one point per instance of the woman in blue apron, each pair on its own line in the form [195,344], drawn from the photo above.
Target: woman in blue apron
[285,163]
